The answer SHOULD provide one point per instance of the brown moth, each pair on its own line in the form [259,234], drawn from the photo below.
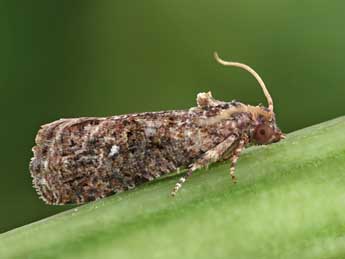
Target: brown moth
[83,159]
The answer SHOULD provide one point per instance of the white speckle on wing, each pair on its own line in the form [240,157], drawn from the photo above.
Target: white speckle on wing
[188,133]
[114,150]
[45,164]
[150,131]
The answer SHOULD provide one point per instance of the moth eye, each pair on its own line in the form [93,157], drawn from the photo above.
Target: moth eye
[263,134]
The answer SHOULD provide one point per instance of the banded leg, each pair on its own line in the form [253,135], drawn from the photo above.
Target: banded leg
[235,154]
[209,157]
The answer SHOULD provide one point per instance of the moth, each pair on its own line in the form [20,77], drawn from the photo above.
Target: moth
[79,160]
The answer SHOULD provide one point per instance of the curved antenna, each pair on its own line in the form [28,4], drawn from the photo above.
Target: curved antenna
[250,70]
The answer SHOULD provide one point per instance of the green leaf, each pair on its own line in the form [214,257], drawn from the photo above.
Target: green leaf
[289,203]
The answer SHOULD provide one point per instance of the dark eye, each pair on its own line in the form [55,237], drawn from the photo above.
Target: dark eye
[263,134]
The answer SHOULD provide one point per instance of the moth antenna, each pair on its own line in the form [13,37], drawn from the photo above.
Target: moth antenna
[250,70]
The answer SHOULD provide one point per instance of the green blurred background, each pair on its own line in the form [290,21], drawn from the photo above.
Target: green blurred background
[101,58]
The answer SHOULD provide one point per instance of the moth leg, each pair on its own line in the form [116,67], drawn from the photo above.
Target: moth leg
[235,154]
[209,157]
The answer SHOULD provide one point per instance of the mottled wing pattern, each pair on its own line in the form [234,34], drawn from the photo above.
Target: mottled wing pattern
[83,159]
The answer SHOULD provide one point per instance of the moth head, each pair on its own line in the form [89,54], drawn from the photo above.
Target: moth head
[266,130]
